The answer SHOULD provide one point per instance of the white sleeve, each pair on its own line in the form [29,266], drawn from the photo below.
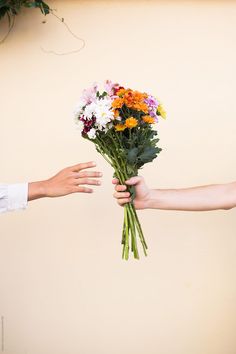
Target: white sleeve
[13,196]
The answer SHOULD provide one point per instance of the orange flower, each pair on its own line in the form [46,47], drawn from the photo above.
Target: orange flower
[117,103]
[120,127]
[121,92]
[141,107]
[131,122]
[128,98]
[148,119]
[135,100]
[116,113]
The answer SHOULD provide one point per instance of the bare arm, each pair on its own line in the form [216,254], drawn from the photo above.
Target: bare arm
[202,198]
[74,179]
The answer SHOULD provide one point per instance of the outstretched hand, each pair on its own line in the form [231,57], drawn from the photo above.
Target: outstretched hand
[69,180]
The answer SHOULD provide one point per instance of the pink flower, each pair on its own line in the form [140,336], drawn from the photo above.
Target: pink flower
[111,88]
[90,95]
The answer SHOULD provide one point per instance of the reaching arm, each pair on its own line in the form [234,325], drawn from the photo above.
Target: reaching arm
[69,180]
[74,179]
[202,198]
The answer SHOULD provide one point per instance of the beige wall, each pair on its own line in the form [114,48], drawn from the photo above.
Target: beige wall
[63,286]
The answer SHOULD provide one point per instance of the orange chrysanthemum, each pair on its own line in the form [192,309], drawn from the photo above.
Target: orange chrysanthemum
[121,92]
[141,107]
[120,127]
[131,122]
[117,103]
[116,113]
[135,100]
[148,119]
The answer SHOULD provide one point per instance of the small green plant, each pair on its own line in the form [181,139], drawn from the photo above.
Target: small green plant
[11,8]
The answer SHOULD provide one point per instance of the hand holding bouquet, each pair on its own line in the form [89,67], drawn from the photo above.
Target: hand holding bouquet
[119,122]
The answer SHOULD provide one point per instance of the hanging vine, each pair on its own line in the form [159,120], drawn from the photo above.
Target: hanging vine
[11,8]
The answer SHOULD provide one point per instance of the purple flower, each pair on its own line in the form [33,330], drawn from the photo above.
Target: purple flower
[152,102]
[88,124]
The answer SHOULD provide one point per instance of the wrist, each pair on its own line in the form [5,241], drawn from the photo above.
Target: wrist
[154,199]
[37,190]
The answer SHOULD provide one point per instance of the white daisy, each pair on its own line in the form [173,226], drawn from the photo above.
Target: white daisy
[103,112]
[92,133]
[90,110]
[79,108]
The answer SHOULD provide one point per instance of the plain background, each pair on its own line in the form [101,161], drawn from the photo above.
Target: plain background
[63,286]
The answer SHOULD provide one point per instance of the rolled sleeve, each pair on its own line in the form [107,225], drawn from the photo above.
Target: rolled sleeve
[13,197]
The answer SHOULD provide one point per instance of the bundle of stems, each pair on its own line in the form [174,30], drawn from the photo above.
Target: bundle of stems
[112,150]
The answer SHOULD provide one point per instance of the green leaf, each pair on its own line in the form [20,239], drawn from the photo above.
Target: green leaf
[132,193]
[30,4]
[132,155]
[130,171]
[149,154]
[45,9]
[3,11]
[103,94]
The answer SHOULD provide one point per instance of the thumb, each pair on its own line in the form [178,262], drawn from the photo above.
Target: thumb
[133,181]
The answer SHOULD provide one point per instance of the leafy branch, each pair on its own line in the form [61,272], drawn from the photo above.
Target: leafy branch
[11,8]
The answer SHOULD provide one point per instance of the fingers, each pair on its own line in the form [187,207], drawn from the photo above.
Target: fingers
[130,182]
[82,166]
[79,189]
[123,201]
[84,174]
[115,181]
[89,181]
[120,195]
[85,177]
[120,188]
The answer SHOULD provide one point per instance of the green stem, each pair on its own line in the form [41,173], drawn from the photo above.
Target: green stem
[133,234]
[140,232]
[126,253]
[131,221]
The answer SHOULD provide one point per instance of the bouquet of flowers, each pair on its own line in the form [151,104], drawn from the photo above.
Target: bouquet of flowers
[120,122]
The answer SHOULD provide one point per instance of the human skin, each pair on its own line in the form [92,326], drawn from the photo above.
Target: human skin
[201,198]
[73,179]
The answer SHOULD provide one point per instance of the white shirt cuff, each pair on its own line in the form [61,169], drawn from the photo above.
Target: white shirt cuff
[17,196]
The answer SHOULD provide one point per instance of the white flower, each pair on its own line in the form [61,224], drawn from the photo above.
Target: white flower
[92,133]
[103,112]
[89,110]
[79,108]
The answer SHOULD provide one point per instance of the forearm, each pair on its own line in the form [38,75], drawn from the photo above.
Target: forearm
[203,198]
